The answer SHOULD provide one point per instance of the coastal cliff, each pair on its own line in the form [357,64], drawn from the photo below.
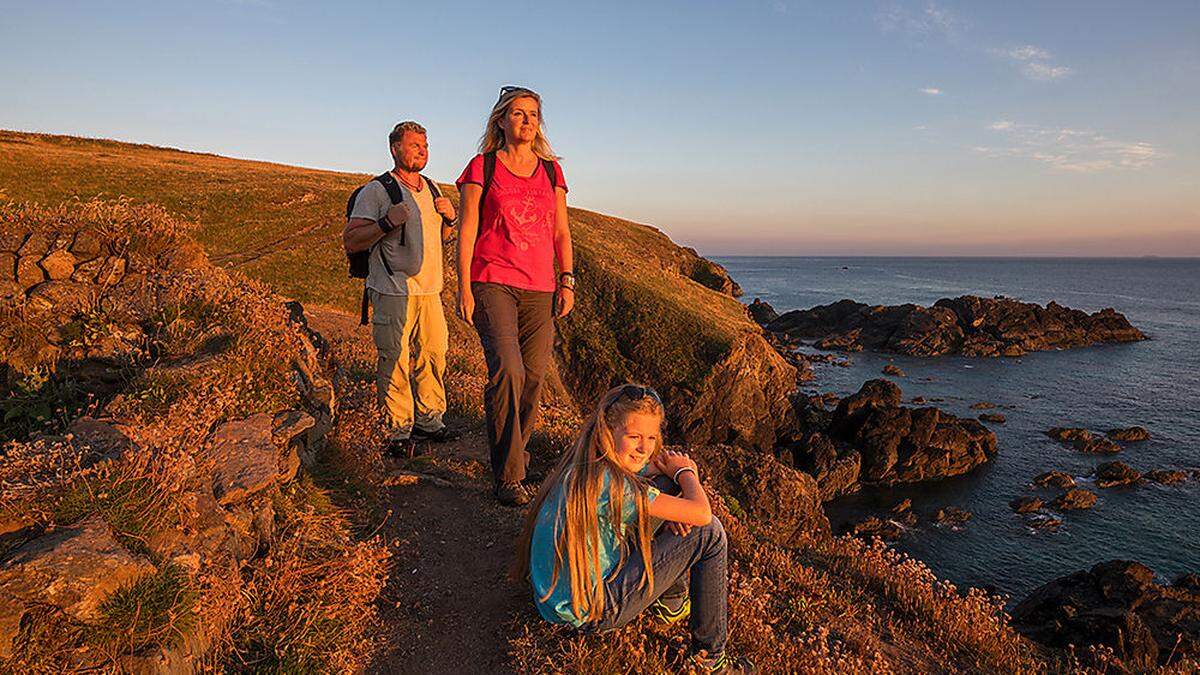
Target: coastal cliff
[315,553]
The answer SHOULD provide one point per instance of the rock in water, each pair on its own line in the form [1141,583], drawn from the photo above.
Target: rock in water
[1059,479]
[968,325]
[994,418]
[1166,476]
[1112,474]
[893,370]
[952,516]
[1025,504]
[1069,434]
[1074,499]
[762,312]
[1116,604]
[906,445]
[1129,434]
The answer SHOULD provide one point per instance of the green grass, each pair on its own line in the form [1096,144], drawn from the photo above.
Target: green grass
[157,609]
[134,506]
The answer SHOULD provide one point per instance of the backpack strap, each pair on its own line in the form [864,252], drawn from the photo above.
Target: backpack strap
[548,167]
[489,172]
[437,194]
[365,317]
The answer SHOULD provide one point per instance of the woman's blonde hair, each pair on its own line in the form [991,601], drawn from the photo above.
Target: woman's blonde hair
[580,474]
[493,135]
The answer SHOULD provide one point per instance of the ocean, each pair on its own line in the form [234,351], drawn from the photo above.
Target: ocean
[1154,383]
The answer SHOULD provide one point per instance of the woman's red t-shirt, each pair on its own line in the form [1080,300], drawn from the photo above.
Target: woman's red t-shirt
[515,245]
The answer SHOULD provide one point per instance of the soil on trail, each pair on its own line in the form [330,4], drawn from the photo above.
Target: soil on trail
[448,606]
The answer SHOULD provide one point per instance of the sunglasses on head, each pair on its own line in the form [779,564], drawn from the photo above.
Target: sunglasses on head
[509,89]
[637,392]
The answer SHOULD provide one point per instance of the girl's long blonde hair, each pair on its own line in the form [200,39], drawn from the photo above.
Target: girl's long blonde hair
[493,135]
[580,473]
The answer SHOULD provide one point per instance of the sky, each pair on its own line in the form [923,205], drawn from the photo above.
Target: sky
[775,127]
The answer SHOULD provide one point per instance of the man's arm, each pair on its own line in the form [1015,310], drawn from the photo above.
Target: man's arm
[360,234]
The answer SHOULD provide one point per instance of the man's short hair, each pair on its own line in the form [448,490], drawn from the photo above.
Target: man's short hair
[398,131]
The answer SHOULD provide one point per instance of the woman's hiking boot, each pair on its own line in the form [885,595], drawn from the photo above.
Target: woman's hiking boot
[721,664]
[512,494]
[669,612]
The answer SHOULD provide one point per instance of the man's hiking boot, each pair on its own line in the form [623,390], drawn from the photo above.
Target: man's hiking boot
[721,664]
[402,448]
[512,494]
[443,435]
[664,612]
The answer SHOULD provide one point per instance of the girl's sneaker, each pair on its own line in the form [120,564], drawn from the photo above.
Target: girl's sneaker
[663,611]
[722,664]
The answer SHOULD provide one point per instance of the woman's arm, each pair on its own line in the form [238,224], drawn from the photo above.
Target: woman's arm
[563,252]
[468,229]
[691,507]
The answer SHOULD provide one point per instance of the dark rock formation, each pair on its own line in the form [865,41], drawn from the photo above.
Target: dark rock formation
[1166,476]
[1116,604]
[967,325]
[1112,474]
[1025,504]
[870,527]
[1074,499]
[903,513]
[1058,479]
[1096,446]
[1069,434]
[952,516]
[1043,521]
[982,405]
[1129,434]
[783,503]
[835,474]
[994,418]
[905,445]
[762,312]
[893,370]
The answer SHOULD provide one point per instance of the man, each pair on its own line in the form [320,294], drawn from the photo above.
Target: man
[404,285]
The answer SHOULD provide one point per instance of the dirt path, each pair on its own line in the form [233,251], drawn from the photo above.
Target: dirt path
[448,606]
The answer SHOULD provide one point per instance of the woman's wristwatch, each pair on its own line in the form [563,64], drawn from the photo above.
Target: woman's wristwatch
[567,280]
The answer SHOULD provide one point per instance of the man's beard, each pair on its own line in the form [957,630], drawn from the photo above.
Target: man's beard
[414,167]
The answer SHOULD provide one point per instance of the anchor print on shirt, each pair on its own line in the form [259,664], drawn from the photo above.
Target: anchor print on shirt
[524,224]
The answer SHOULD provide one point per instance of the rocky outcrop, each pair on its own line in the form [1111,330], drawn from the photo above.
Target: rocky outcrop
[783,503]
[762,312]
[1083,440]
[905,445]
[1074,499]
[994,418]
[952,516]
[1129,434]
[1057,479]
[1166,476]
[967,325]
[871,439]
[1116,604]
[1025,504]
[1113,474]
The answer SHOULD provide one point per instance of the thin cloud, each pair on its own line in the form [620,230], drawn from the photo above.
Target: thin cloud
[932,91]
[931,20]
[1069,150]
[1035,63]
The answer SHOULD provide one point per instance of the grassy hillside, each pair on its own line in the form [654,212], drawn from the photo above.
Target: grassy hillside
[646,308]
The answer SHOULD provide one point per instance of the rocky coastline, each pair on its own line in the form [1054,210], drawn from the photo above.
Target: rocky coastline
[968,325]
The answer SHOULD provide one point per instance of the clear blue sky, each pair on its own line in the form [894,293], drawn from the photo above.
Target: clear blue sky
[781,127]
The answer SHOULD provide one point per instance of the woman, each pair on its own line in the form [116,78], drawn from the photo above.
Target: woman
[588,546]
[514,229]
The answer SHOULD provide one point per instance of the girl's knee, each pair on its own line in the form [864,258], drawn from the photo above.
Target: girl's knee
[714,531]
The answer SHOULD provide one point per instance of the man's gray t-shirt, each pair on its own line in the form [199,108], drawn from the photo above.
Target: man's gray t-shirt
[416,266]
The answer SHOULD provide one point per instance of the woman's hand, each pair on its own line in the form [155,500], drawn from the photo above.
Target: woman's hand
[466,305]
[565,301]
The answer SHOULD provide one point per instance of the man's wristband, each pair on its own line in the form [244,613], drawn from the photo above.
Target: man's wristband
[385,224]
[681,470]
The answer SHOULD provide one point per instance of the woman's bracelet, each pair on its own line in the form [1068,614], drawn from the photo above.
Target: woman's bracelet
[681,470]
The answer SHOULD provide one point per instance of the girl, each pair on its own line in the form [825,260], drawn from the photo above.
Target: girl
[514,228]
[588,544]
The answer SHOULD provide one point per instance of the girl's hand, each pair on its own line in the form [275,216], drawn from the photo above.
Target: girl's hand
[670,461]
[466,306]
[680,529]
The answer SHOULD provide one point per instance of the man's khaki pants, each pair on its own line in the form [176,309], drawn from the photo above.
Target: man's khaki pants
[410,329]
